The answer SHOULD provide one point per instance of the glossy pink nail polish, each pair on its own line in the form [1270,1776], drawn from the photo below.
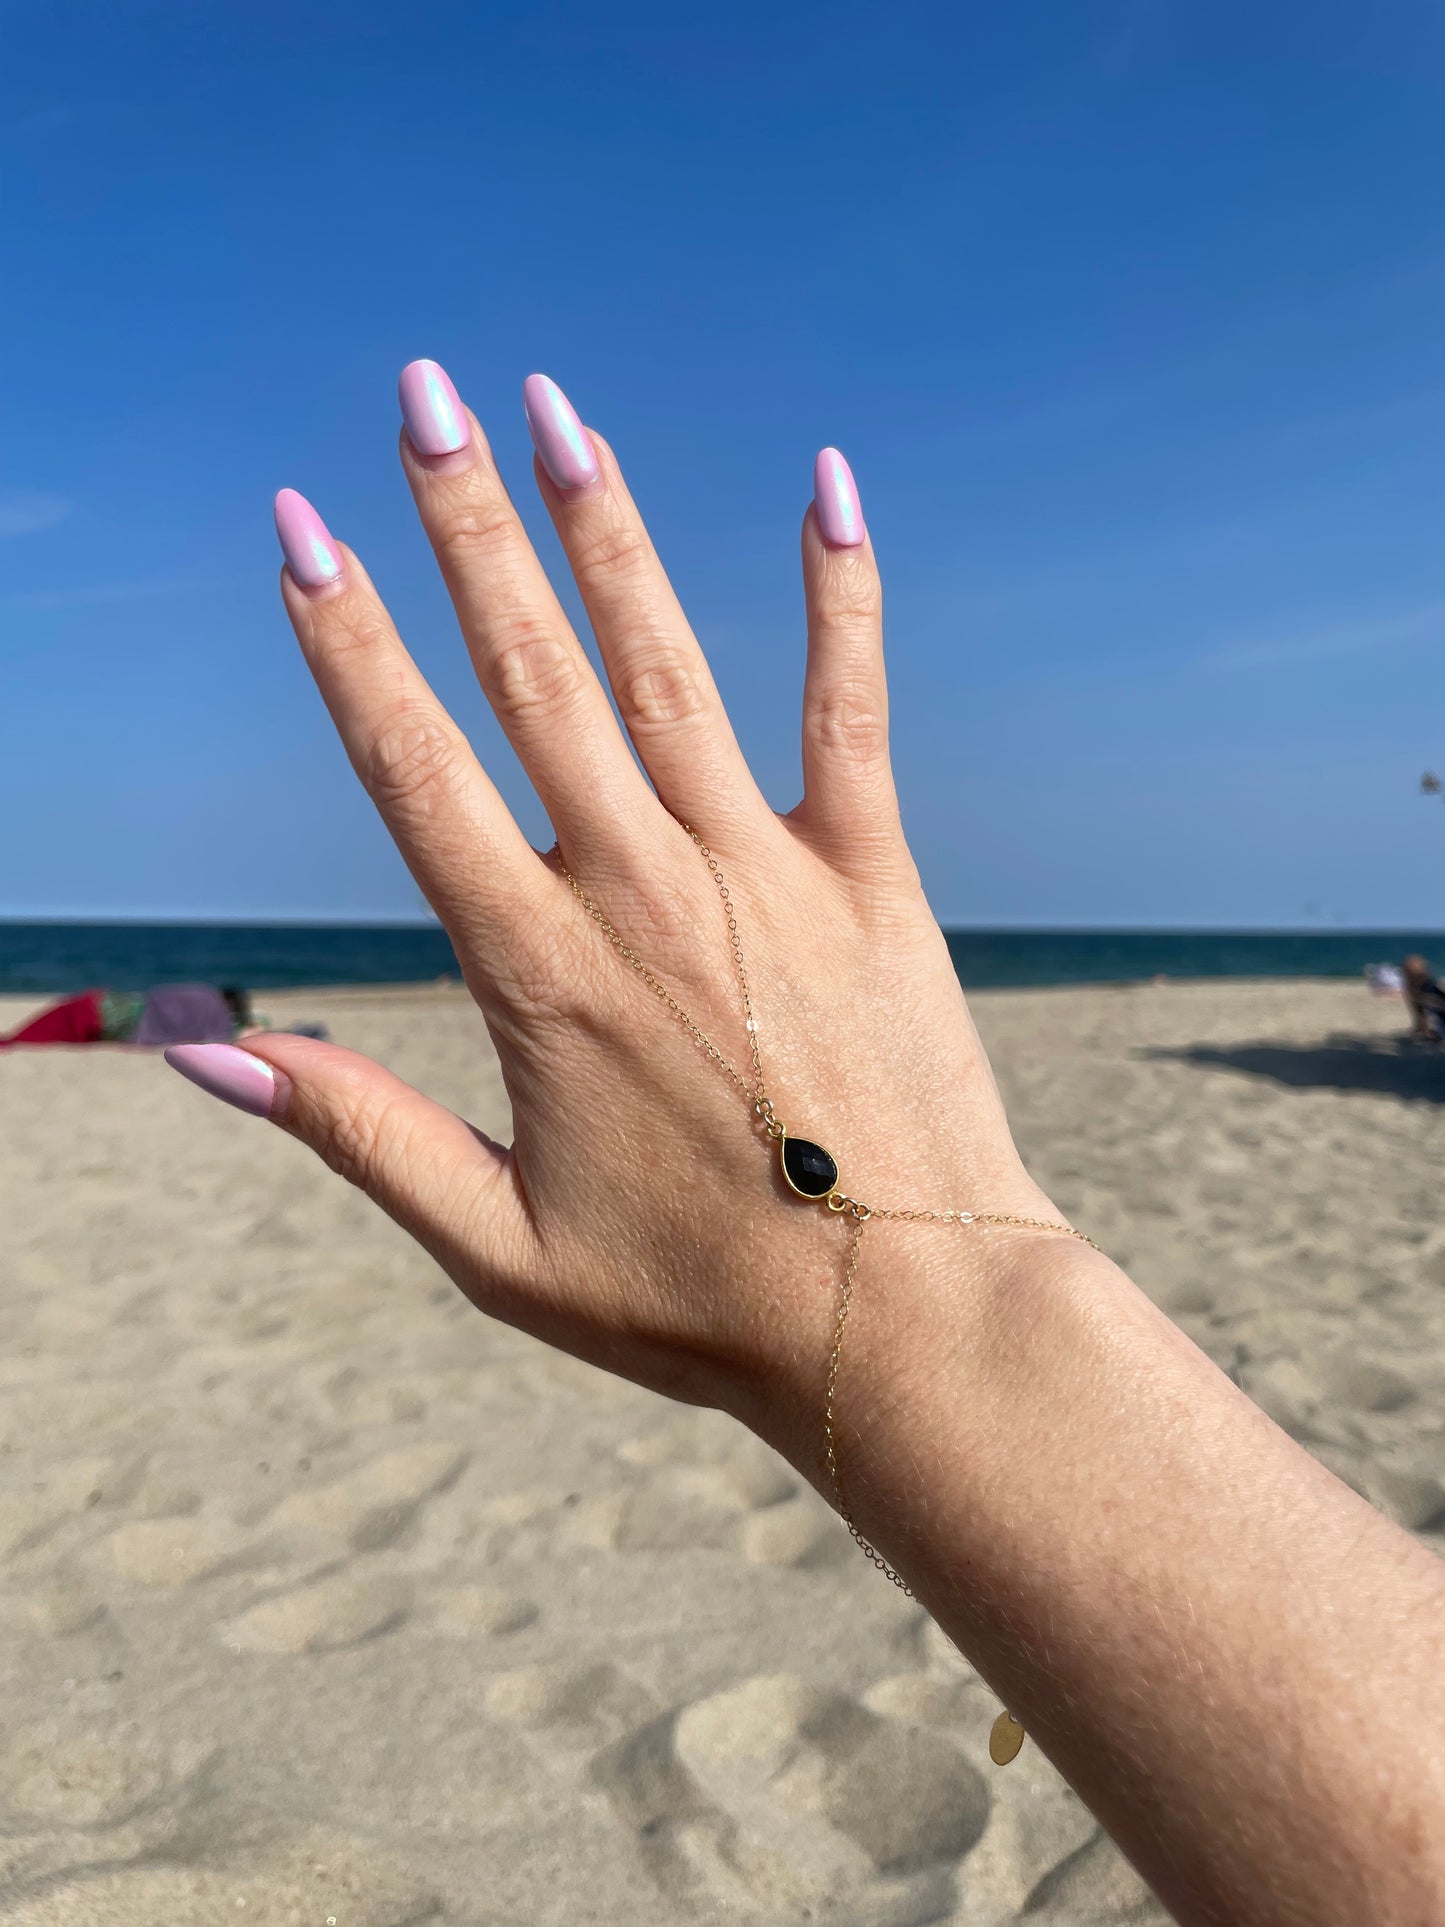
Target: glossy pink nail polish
[835,497]
[558,436]
[235,1076]
[436,423]
[311,555]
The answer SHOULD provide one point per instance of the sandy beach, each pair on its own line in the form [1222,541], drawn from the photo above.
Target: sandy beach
[324,1600]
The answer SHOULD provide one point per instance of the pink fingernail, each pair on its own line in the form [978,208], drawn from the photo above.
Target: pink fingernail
[311,555]
[558,436]
[235,1076]
[835,496]
[436,422]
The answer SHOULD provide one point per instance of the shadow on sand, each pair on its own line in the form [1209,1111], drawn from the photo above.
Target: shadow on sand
[1387,1064]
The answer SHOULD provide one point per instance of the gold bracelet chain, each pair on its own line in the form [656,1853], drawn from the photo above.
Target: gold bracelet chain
[811,1172]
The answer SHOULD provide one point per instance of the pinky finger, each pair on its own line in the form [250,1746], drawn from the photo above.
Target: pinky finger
[849,808]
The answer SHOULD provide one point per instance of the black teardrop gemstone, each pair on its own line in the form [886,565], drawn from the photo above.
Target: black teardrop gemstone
[808,1168]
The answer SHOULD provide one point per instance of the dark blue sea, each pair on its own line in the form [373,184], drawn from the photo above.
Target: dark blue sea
[59,957]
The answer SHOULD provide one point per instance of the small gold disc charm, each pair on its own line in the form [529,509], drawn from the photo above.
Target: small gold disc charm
[1005,1738]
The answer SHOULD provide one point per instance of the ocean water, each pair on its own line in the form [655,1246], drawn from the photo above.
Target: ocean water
[61,957]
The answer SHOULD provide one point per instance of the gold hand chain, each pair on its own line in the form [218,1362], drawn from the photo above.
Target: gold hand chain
[811,1172]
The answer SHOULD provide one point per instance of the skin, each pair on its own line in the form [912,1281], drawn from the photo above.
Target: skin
[1417,976]
[1236,1661]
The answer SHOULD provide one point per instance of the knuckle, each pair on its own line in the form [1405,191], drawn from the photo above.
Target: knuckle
[664,918]
[620,549]
[412,763]
[355,1140]
[657,689]
[467,525]
[853,591]
[543,982]
[881,857]
[535,671]
[343,631]
[849,719]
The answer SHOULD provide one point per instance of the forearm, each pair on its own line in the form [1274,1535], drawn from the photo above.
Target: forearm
[1236,1661]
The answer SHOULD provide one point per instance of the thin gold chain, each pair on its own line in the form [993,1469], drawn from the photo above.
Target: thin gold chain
[830,1401]
[756,1092]
[837,1201]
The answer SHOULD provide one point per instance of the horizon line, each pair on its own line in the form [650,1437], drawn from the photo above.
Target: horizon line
[79,920]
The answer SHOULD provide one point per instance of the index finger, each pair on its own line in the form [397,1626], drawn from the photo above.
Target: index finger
[488,885]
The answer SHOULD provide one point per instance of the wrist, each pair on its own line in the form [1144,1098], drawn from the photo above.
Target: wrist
[949,1332]
[987,1398]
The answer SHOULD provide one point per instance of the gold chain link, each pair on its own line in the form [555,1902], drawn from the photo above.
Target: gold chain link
[756,1093]
[858,1214]
[830,1437]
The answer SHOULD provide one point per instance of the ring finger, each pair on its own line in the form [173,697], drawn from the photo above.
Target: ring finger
[659,675]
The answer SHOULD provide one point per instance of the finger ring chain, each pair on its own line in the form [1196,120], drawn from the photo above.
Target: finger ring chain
[811,1172]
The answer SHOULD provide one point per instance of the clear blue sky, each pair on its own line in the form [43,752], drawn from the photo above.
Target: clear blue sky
[1128,316]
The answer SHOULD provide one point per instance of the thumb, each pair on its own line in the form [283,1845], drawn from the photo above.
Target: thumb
[451,1187]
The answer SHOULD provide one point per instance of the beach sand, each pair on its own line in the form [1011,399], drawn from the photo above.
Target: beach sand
[324,1599]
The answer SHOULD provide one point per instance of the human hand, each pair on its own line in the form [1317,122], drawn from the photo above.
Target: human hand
[639,1220]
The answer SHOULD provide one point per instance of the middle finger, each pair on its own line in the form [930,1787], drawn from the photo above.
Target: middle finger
[527,658]
[659,675]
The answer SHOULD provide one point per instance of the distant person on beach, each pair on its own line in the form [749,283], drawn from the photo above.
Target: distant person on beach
[170,1014]
[1234,1659]
[1425,998]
